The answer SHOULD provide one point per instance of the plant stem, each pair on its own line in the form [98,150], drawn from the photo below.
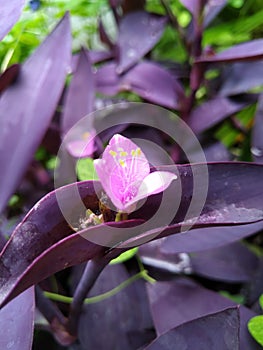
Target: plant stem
[89,277]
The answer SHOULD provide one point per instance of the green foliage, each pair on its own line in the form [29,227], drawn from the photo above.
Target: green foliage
[124,256]
[85,169]
[255,325]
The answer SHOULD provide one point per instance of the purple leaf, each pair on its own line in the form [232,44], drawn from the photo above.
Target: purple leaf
[149,80]
[207,238]
[192,6]
[128,311]
[8,76]
[212,9]
[40,84]
[79,100]
[219,331]
[138,33]
[241,77]
[251,50]
[257,133]
[232,263]
[214,111]
[168,302]
[17,322]
[10,13]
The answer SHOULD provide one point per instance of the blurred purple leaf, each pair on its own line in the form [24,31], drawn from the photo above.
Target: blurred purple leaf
[36,92]
[79,100]
[233,263]
[212,9]
[139,31]
[149,80]
[17,322]
[8,76]
[192,6]
[128,311]
[257,133]
[10,13]
[241,77]
[251,50]
[168,302]
[214,111]
[218,331]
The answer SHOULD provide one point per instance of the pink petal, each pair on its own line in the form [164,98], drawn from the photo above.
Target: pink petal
[82,146]
[154,183]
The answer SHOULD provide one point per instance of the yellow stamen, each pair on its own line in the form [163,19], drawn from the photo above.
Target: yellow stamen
[122,162]
[113,153]
[85,135]
[123,154]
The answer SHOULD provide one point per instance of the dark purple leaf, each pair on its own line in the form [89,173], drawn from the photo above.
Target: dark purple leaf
[138,33]
[257,133]
[45,234]
[207,238]
[219,331]
[17,322]
[176,302]
[10,13]
[36,94]
[251,50]
[214,111]
[128,311]
[232,263]
[79,100]
[241,77]
[8,76]
[148,80]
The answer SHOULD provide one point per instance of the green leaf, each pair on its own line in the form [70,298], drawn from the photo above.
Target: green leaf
[255,327]
[261,301]
[124,256]
[85,169]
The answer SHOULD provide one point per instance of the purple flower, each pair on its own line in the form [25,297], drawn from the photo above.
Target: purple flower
[125,175]
[84,146]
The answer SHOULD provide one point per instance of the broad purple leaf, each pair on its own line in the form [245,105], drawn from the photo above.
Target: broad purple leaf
[40,84]
[128,311]
[44,234]
[241,77]
[251,50]
[17,322]
[138,33]
[10,13]
[214,111]
[219,331]
[232,263]
[8,76]
[79,100]
[257,133]
[168,302]
[149,80]
[206,238]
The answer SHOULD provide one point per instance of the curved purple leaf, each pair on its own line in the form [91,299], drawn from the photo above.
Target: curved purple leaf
[168,302]
[251,50]
[10,13]
[79,100]
[17,322]
[232,263]
[241,77]
[9,76]
[149,80]
[214,111]
[212,9]
[44,242]
[257,133]
[219,331]
[138,33]
[36,93]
